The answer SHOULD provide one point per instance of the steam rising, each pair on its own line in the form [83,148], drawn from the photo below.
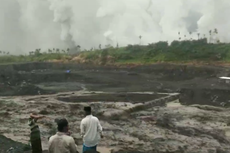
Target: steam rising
[29,24]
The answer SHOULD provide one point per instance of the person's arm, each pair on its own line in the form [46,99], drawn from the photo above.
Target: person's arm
[33,119]
[99,128]
[73,146]
[36,117]
[49,144]
[82,128]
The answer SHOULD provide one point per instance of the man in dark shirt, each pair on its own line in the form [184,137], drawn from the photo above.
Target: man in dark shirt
[35,137]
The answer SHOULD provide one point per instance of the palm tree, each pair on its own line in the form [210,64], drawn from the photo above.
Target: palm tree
[216,32]
[190,33]
[210,32]
[117,45]
[78,48]
[37,52]
[99,46]
[50,51]
[57,51]
[210,36]
[140,39]
[198,34]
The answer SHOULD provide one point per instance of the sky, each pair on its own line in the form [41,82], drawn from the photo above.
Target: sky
[26,25]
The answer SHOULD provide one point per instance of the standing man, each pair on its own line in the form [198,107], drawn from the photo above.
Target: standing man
[91,130]
[62,142]
[35,137]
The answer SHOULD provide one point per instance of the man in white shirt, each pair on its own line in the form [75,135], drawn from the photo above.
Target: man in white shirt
[62,142]
[91,131]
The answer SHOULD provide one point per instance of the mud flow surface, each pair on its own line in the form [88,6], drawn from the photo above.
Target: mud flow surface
[158,108]
[112,97]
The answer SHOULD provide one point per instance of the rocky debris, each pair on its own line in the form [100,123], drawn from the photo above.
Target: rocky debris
[166,120]
[211,134]
[169,121]
[148,118]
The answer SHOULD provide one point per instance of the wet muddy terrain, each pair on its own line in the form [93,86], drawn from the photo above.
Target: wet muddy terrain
[159,108]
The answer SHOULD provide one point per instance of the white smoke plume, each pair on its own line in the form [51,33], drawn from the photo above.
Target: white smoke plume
[29,24]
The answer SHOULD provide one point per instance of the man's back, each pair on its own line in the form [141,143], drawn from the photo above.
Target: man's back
[62,143]
[90,129]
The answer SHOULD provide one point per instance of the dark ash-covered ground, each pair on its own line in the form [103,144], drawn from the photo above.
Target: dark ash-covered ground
[200,124]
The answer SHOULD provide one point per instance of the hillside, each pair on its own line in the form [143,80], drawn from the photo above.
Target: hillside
[177,51]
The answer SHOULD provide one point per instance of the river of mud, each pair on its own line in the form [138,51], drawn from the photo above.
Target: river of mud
[134,105]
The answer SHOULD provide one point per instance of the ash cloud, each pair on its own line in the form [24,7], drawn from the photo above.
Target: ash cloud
[29,24]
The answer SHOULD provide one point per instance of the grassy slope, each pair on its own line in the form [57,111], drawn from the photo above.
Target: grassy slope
[34,58]
[178,51]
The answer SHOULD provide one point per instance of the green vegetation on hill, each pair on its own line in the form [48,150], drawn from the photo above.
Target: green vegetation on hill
[178,51]
[32,58]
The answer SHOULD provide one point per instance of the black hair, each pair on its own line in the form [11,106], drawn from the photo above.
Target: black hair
[87,109]
[62,123]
